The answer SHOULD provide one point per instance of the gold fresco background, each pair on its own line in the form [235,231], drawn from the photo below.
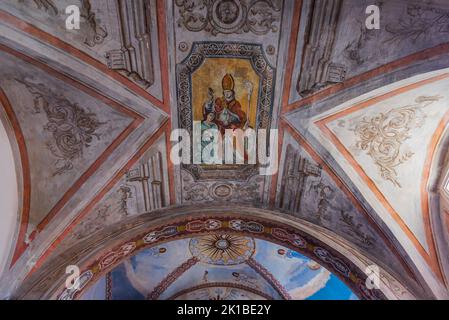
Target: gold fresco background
[210,74]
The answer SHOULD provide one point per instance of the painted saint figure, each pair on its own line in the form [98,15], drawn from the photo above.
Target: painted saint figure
[206,136]
[228,111]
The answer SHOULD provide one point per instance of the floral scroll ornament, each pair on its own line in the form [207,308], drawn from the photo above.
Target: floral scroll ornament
[73,128]
[230,16]
[420,22]
[94,34]
[382,135]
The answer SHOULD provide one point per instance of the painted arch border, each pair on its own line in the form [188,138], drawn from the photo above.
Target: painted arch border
[438,200]
[258,228]
[101,252]
[10,123]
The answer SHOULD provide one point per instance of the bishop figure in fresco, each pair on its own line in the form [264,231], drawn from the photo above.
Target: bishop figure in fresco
[228,113]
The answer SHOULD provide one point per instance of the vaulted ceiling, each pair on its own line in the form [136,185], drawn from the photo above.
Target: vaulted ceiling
[86,118]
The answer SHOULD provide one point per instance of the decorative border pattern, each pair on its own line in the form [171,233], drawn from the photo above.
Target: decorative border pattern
[283,235]
[268,276]
[108,293]
[172,277]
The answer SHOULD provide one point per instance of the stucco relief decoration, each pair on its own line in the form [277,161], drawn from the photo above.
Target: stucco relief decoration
[230,16]
[72,127]
[421,22]
[383,135]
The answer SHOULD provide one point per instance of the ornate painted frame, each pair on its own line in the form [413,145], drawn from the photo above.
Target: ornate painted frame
[184,70]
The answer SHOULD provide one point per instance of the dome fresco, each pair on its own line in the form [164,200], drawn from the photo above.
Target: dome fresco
[283,273]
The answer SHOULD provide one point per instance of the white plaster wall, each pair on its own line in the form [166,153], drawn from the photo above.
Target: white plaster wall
[8,198]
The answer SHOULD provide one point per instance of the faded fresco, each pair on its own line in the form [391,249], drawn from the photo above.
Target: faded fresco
[217,267]
[228,89]
[362,174]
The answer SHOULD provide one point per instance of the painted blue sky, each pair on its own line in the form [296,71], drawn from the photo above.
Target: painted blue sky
[295,273]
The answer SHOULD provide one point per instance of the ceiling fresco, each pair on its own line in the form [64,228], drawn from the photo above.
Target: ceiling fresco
[348,50]
[310,191]
[361,121]
[376,136]
[219,267]
[73,128]
[105,28]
